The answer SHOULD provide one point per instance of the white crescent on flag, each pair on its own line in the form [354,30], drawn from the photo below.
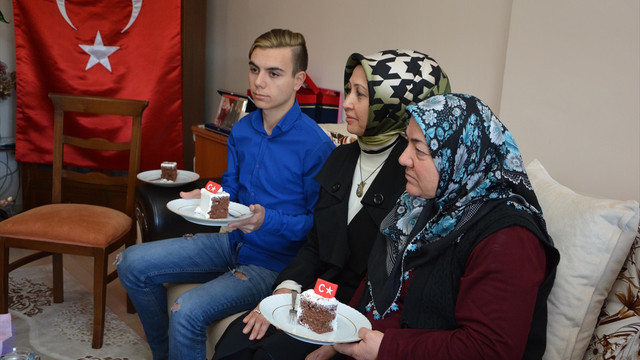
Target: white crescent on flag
[136,5]
[63,11]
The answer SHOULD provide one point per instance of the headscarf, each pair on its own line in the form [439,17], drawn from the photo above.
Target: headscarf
[396,78]
[479,166]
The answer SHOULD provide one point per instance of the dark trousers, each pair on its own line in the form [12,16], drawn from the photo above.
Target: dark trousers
[275,345]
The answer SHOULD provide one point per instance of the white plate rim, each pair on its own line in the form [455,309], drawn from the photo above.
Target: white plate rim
[271,307]
[184,177]
[186,207]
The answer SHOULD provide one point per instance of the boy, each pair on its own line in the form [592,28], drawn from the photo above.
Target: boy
[273,155]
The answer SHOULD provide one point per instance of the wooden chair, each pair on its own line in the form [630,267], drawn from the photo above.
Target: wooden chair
[72,228]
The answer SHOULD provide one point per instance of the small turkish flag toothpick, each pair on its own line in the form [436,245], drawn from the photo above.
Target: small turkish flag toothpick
[325,288]
[212,187]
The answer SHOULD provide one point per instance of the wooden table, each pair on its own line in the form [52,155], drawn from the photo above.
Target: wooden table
[210,152]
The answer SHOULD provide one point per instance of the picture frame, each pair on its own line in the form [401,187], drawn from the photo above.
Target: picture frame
[231,109]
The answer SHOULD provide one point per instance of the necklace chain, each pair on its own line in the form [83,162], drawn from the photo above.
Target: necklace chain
[360,187]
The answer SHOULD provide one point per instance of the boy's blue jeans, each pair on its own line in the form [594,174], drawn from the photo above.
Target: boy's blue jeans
[209,259]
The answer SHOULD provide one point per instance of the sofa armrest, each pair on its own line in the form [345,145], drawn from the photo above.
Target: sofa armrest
[156,221]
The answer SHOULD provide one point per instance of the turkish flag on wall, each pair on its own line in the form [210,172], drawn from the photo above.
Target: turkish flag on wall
[115,48]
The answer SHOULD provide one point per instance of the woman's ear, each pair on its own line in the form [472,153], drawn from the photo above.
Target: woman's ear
[300,77]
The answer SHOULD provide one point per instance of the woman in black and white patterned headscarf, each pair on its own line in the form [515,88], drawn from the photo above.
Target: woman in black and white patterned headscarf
[396,78]
[392,80]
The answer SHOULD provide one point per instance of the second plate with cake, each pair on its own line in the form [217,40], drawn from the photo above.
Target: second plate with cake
[275,309]
[186,208]
[154,177]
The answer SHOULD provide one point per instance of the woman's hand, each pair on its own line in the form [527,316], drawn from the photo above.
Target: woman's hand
[257,324]
[282,291]
[324,352]
[365,349]
[193,194]
[253,223]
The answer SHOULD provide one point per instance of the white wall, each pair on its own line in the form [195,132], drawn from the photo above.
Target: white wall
[571,92]
[562,74]
[467,38]
[9,177]
[7,56]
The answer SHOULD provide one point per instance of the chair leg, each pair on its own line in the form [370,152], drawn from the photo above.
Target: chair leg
[4,281]
[132,241]
[99,297]
[58,282]
[130,308]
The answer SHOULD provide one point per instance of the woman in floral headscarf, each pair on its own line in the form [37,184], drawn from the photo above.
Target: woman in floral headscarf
[359,185]
[464,260]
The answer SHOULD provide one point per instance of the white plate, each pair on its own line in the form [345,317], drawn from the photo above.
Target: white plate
[186,208]
[275,309]
[153,177]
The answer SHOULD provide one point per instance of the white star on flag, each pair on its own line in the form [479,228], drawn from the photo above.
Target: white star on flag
[99,53]
[329,290]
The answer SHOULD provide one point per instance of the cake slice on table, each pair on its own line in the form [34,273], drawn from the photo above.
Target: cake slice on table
[169,171]
[319,308]
[214,202]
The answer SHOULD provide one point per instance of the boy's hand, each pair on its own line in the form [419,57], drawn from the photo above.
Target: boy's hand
[253,223]
[193,194]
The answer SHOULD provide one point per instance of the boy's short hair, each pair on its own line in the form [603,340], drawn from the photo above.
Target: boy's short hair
[279,38]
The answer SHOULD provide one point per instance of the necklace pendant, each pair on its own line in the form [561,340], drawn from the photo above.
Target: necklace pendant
[359,189]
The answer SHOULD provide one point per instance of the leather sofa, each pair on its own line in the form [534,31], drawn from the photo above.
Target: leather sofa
[156,221]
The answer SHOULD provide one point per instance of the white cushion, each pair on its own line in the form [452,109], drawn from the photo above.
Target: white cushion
[594,237]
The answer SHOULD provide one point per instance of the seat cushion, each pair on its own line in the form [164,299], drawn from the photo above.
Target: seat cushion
[68,223]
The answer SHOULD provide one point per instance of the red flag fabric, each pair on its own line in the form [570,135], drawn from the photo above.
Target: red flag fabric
[115,48]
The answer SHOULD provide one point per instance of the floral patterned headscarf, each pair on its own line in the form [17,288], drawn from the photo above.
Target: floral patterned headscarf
[478,162]
[396,78]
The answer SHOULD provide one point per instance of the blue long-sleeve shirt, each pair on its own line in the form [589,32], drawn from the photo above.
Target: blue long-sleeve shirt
[275,171]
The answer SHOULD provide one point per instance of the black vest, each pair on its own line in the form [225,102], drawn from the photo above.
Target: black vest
[432,293]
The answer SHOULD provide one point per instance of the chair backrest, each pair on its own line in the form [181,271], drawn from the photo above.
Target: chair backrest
[64,103]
